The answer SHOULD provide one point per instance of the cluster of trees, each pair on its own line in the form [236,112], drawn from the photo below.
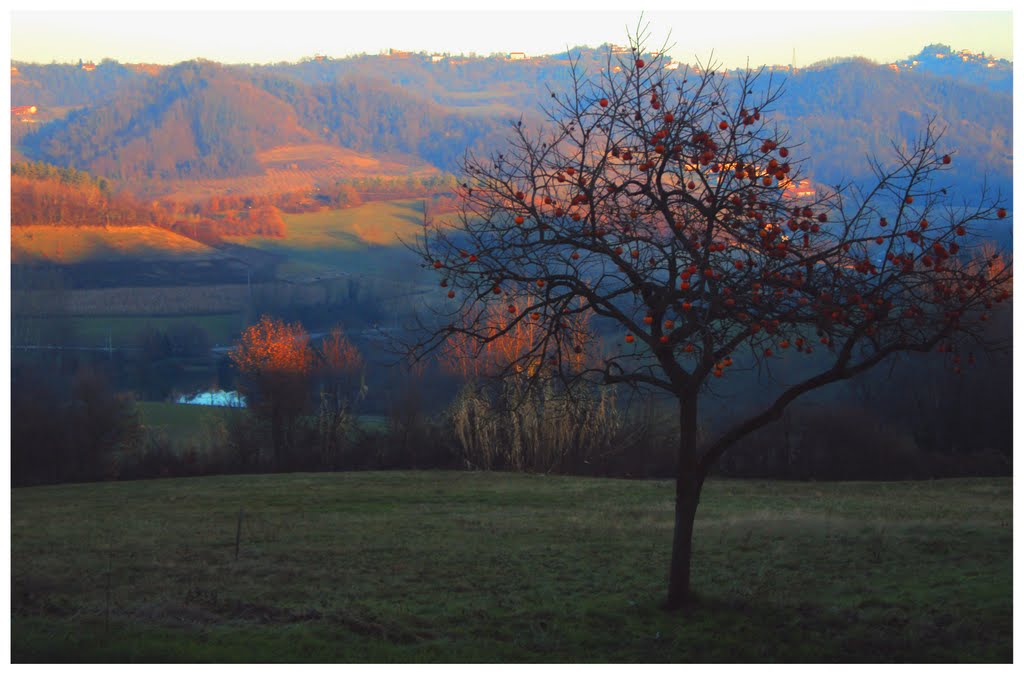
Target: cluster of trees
[279,367]
[45,194]
[352,191]
[68,425]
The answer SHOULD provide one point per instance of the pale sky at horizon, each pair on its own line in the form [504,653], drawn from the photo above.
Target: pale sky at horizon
[231,36]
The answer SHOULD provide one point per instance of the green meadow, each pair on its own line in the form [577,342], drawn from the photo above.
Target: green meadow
[126,330]
[469,567]
[364,240]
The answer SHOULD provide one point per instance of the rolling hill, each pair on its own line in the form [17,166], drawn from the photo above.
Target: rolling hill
[200,120]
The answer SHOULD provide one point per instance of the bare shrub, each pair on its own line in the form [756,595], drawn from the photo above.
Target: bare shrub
[516,427]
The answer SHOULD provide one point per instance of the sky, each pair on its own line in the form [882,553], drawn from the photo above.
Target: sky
[261,33]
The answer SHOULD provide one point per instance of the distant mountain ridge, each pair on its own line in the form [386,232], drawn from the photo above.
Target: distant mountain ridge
[201,120]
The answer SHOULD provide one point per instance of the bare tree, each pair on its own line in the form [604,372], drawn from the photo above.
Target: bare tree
[668,204]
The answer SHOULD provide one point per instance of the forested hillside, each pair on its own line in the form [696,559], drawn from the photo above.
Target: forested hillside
[202,120]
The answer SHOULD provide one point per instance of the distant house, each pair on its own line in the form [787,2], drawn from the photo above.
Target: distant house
[434,58]
[397,54]
[319,57]
[89,67]
[517,56]
[894,67]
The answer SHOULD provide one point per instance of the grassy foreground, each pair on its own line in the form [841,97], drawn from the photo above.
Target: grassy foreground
[440,566]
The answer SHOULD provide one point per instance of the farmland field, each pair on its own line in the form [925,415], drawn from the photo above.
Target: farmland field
[461,566]
[291,168]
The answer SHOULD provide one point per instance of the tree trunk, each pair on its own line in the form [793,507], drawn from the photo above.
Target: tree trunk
[688,485]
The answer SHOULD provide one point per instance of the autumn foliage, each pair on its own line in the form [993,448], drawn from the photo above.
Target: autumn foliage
[500,346]
[273,347]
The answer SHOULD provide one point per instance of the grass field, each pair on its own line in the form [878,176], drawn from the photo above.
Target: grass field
[439,566]
[68,245]
[365,240]
[178,421]
[125,330]
[183,422]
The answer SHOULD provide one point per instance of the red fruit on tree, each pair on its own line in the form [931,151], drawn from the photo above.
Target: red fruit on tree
[604,103]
